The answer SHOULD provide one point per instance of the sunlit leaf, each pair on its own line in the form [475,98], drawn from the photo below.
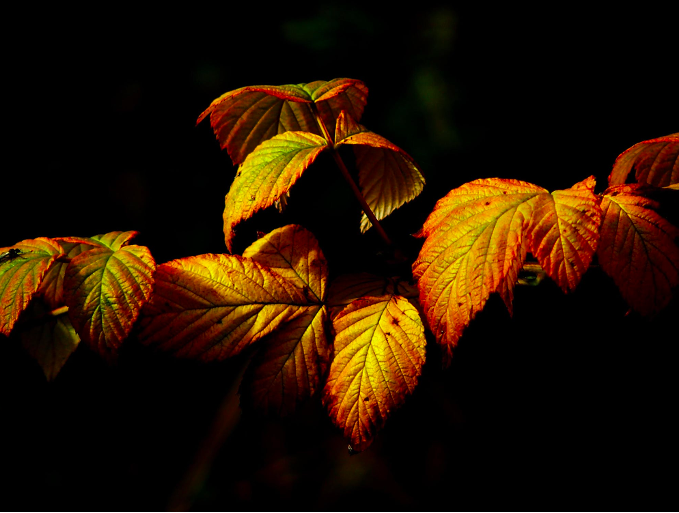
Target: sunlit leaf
[564,232]
[293,252]
[378,354]
[244,118]
[268,173]
[655,162]
[212,306]
[22,268]
[47,338]
[638,248]
[105,289]
[289,366]
[388,176]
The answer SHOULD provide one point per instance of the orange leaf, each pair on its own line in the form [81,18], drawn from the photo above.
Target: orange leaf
[244,118]
[475,245]
[268,173]
[293,252]
[22,268]
[656,162]
[564,232]
[378,355]
[105,288]
[290,364]
[293,359]
[638,248]
[49,339]
[213,306]
[52,287]
[388,176]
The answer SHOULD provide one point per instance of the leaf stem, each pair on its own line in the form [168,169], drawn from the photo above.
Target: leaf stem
[347,176]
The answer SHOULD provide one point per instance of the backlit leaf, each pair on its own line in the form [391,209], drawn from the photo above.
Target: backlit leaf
[105,289]
[564,232]
[638,248]
[52,287]
[475,245]
[292,360]
[293,252]
[212,306]
[49,339]
[388,176]
[268,173]
[289,366]
[346,288]
[378,354]
[244,118]
[655,162]
[22,268]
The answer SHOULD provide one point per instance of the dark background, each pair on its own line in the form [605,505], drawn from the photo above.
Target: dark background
[568,405]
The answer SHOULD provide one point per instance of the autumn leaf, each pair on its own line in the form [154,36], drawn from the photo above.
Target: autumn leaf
[22,268]
[638,248]
[564,232]
[244,118]
[49,339]
[388,176]
[212,306]
[475,245]
[347,287]
[292,360]
[379,351]
[105,288]
[267,174]
[655,162]
[289,366]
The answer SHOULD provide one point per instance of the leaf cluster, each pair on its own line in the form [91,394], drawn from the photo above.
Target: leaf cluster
[359,341]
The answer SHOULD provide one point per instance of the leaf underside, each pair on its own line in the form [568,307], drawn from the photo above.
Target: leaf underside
[379,351]
[655,162]
[638,248]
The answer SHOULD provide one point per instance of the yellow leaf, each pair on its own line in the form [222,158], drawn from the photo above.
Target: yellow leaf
[379,351]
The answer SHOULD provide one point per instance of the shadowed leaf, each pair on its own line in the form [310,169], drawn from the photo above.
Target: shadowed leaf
[346,288]
[105,289]
[289,366]
[655,162]
[268,173]
[378,354]
[564,232]
[22,268]
[49,339]
[388,176]
[244,118]
[213,306]
[638,248]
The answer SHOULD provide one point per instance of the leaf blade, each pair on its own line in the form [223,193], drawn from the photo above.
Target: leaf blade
[638,248]
[655,161]
[267,174]
[378,354]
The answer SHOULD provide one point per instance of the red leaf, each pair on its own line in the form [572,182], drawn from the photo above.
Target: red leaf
[656,162]
[638,248]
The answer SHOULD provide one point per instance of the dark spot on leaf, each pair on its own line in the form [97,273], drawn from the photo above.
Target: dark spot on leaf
[571,264]
[487,203]
[504,192]
[459,304]
[167,304]
[367,399]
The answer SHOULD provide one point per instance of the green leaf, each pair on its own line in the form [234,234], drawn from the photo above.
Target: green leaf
[267,174]
[105,289]
[22,268]
[49,339]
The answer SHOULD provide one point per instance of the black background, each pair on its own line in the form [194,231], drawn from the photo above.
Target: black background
[567,405]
